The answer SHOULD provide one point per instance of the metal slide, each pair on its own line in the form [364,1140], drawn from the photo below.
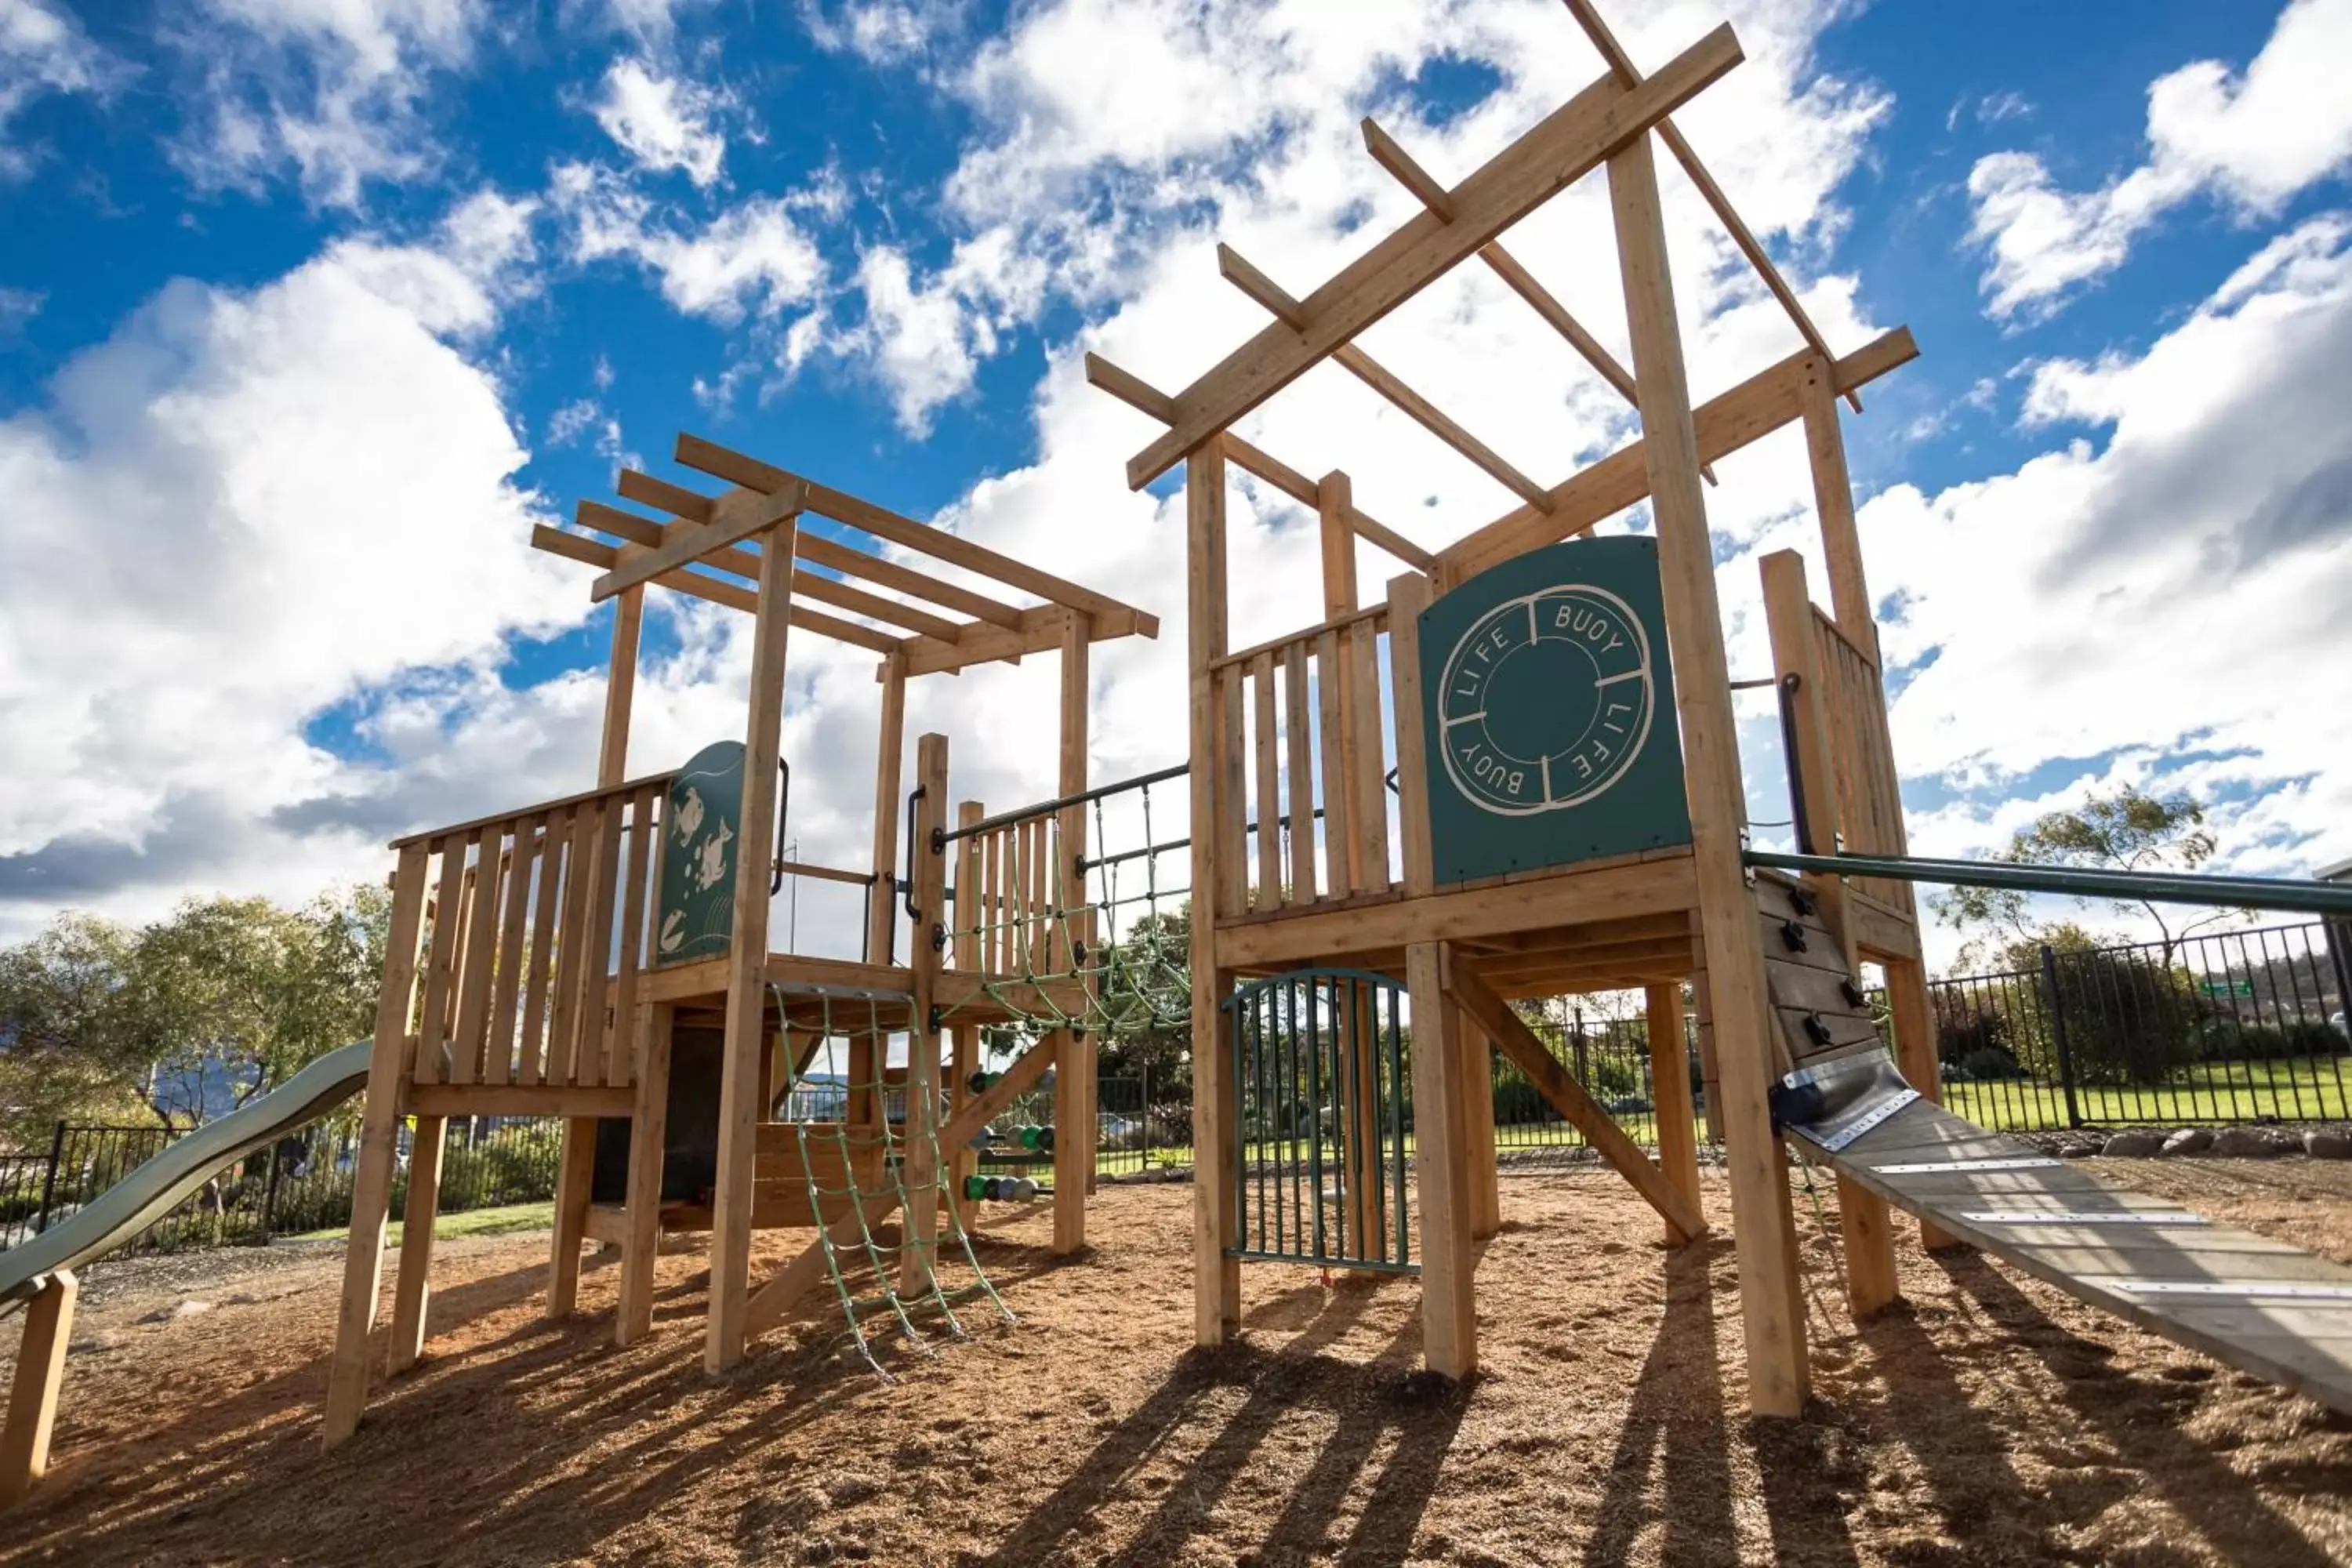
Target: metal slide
[172,1177]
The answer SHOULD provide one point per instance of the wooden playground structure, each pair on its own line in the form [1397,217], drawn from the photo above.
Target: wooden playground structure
[483,1013]
[1307,955]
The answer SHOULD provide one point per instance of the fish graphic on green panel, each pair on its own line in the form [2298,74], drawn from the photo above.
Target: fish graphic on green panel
[702,832]
[1549,712]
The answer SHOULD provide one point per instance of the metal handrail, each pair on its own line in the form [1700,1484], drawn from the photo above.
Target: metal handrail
[2158,886]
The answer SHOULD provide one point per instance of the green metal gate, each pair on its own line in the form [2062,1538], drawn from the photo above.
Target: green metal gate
[1320,1061]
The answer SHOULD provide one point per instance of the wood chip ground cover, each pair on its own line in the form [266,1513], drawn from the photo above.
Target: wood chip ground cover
[1992,1421]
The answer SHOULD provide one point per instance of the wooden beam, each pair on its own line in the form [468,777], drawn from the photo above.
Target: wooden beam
[588,552]
[1588,18]
[882,915]
[1670,1097]
[413,1290]
[515,1099]
[1074,1127]
[1131,390]
[40,1377]
[1576,1108]
[1642,887]
[1567,144]
[1833,505]
[745,1042]
[1238,272]
[1041,634]
[751,474]
[640,1240]
[347,1372]
[1426,189]
[1771,1302]
[677,500]
[1449,1314]
[852,563]
[680,547]
[841,596]
[1755,408]
[1216,1097]
[920,1160]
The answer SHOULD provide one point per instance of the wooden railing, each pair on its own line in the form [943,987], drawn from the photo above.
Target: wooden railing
[1869,794]
[536,941]
[1302,769]
[1016,899]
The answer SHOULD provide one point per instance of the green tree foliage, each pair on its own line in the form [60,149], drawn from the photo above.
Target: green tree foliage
[1146,1004]
[95,1014]
[2125,831]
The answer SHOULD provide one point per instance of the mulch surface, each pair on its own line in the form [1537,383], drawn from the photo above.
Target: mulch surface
[1989,1421]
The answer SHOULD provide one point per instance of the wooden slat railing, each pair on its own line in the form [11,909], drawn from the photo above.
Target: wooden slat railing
[1302,797]
[537,942]
[1869,794]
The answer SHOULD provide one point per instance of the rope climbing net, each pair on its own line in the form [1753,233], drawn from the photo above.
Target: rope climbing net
[854,1140]
[1075,915]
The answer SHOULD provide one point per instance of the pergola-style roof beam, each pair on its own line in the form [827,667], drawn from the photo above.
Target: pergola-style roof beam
[685,543]
[644,531]
[1435,420]
[1145,398]
[696,507]
[750,474]
[1390,155]
[1565,146]
[714,590]
[1630,74]
[1755,407]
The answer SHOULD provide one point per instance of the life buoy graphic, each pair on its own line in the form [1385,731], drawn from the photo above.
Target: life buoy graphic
[1546,700]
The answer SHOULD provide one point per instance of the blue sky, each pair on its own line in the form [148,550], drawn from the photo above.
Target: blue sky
[307,312]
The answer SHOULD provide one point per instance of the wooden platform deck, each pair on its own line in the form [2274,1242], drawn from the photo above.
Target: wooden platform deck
[2260,1305]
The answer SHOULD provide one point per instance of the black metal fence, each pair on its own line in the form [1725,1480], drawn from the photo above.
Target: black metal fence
[300,1183]
[2216,1027]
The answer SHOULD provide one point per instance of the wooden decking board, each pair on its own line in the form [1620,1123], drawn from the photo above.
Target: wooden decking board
[2303,1343]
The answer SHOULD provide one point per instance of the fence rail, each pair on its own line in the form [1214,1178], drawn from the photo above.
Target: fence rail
[302,1182]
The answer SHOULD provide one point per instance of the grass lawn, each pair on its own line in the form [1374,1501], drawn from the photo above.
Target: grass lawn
[2291,1089]
[471,1222]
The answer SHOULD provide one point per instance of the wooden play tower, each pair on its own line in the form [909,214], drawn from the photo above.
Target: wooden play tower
[1460,872]
[606,957]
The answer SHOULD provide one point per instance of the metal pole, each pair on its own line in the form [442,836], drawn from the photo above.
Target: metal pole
[2058,1034]
[49,1181]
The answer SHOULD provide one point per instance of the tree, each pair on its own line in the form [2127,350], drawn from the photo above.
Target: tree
[103,1021]
[2125,831]
[1146,1002]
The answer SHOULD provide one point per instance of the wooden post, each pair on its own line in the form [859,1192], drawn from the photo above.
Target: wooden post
[1710,1076]
[576,1168]
[1216,1276]
[1074,1062]
[414,1287]
[1670,1093]
[747,959]
[882,912]
[1771,1302]
[33,1397]
[1863,1220]
[648,1132]
[379,1147]
[973,918]
[1443,1172]
[1834,503]
[922,1152]
[1478,1131]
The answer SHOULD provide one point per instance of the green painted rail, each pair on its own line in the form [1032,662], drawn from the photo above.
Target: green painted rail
[2158,886]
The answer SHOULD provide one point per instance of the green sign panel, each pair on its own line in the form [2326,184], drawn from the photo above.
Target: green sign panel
[702,835]
[1548,710]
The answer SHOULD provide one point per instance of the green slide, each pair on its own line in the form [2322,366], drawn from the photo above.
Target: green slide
[172,1177]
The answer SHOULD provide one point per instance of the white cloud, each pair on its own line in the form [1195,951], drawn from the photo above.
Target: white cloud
[2166,607]
[238,512]
[336,92]
[2252,141]
[752,258]
[879,32]
[663,122]
[42,52]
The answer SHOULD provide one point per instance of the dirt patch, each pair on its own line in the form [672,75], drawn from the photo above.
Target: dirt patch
[1992,1421]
